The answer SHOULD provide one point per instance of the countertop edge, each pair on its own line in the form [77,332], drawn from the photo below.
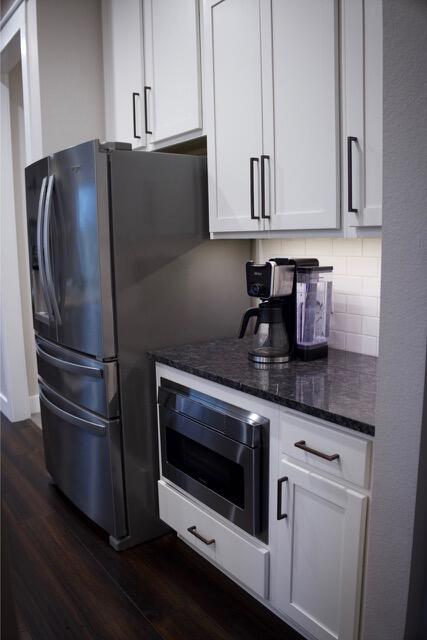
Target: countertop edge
[342,421]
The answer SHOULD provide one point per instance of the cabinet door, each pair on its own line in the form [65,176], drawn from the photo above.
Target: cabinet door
[172,64]
[362,113]
[123,71]
[320,553]
[233,109]
[302,109]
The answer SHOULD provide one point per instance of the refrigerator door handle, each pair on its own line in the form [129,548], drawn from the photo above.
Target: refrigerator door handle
[94,427]
[40,215]
[71,367]
[46,249]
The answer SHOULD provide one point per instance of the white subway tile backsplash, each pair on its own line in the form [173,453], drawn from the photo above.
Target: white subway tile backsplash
[339,302]
[361,344]
[372,247]
[348,284]
[337,340]
[274,248]
[363,266]
[294,247]
[363,305]
[316,247]
[347,247]
[371,287]
[356,290]
[346,322]
[371,326]
[339,264]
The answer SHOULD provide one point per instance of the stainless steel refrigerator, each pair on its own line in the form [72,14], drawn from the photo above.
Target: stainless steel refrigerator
[120,264]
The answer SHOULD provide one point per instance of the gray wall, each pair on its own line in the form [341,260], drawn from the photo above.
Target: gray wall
[403,332]
[71,73]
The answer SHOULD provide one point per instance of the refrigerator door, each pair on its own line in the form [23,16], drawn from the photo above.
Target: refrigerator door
[77,244]
[83,455]
[82,380]
[36,180]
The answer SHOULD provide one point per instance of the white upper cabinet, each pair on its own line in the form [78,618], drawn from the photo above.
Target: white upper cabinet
[272,119]
[123,71]
[319,560]
[173,87]
[233,113]
[302,116]
[362,112]
[295,85]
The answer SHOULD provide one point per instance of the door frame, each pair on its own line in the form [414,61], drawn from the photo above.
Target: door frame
[15,47]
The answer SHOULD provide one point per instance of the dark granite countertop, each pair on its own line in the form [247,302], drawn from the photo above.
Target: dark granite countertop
[340,388]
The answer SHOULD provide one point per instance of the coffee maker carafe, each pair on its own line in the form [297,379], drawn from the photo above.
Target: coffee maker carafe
[293,317]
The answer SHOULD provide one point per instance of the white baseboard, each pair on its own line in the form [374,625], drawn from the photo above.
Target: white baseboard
[34,404]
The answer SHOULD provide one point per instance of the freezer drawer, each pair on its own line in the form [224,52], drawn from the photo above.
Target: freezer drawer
[84,457]
[85,381]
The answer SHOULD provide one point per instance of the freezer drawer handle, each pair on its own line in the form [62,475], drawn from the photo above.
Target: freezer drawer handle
[194,532]
[69,366]
[95,427]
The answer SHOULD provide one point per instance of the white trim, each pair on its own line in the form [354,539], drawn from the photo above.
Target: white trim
[34,404]
[22,22]
[3,404]
[9,13]
[12,332]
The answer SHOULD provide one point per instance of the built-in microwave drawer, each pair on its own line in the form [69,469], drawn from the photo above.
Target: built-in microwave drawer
[327,449]
[83,380]
[245,561]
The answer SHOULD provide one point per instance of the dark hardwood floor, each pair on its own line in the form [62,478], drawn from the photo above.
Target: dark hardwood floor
[69,584]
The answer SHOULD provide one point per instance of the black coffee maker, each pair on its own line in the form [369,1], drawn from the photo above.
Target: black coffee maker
[292,319]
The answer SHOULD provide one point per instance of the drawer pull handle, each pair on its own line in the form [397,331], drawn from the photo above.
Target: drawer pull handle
[194,532]
[301,445]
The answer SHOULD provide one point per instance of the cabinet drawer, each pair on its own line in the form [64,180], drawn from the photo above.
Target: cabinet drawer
[354,454]
[245,561]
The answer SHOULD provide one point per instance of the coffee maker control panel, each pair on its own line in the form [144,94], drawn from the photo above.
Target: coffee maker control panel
[269,280]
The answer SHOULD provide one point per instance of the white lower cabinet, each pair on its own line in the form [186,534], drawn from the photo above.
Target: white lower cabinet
[246,561]
[310,571]
[318,556]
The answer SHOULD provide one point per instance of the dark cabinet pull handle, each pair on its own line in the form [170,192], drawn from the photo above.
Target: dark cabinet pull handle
[146,89]
[263,159]
[350,207]
[301,445]
[134,115]
[280,483]
[194,532]
[252,164]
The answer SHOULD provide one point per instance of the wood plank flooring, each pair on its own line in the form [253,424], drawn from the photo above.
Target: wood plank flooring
[69,584]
